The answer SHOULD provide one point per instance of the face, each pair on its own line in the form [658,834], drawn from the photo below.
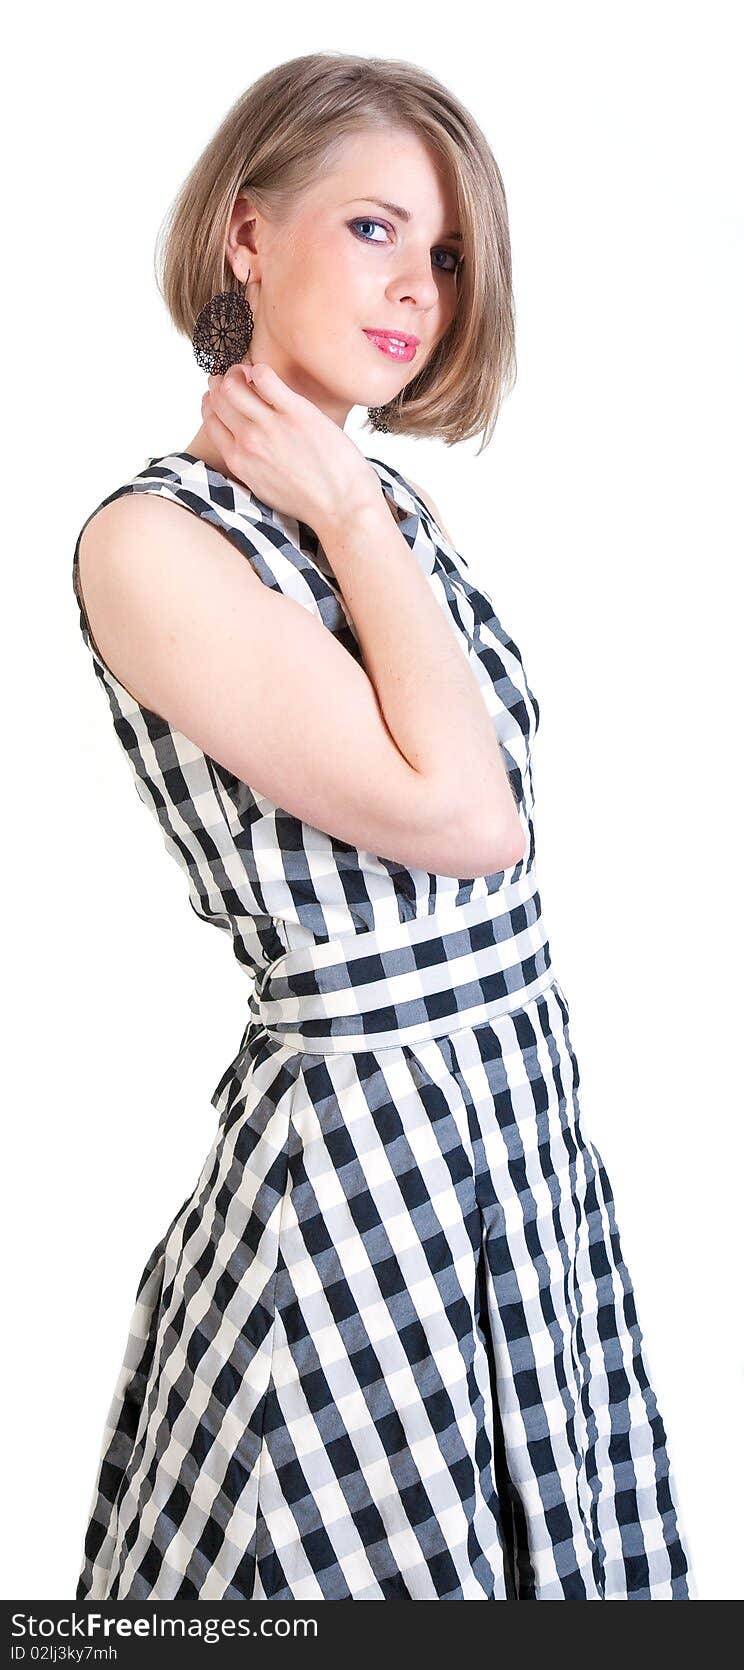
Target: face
[343,267]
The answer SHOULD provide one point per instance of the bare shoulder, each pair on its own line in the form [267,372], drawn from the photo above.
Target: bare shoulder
[115,520]
[106,532]
[430,505]
[133,508]
[143,562]
[123,532]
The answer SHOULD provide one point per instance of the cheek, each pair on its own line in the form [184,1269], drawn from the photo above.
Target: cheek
[328,288]
[336,291]
[448,307]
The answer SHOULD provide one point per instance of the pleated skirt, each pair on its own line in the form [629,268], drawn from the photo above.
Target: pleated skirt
[388,1347]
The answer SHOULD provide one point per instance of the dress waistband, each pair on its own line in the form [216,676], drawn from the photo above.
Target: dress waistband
[410,981]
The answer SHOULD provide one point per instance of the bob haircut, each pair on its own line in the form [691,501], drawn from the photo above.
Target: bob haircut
[276,141]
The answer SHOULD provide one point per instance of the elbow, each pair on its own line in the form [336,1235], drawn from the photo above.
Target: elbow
[488,857]
[484,852]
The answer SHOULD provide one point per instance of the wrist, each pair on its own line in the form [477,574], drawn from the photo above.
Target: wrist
[368,505]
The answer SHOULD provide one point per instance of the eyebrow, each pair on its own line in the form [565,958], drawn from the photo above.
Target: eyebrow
[395,209]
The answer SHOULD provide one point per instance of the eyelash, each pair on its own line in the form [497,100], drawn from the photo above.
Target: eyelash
[366,220]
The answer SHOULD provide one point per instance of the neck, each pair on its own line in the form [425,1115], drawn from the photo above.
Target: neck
[202,448]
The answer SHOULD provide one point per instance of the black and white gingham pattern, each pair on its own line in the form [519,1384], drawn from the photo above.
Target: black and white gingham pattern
[418,980]
[388,1346]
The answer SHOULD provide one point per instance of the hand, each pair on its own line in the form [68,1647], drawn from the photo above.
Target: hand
[284,449]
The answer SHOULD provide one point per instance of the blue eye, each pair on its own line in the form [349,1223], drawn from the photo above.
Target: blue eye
[353,224]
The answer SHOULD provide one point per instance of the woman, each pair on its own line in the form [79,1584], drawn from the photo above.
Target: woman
[388,1348]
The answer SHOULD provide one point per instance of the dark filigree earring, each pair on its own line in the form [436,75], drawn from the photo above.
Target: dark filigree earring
[223,331]
[378,416]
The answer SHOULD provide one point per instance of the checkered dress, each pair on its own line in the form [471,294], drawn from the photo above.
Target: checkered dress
[388,1348]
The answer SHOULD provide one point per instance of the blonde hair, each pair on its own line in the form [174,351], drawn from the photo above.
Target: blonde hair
[276,141]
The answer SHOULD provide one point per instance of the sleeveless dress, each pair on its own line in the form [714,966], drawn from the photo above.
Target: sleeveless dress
[388,1348]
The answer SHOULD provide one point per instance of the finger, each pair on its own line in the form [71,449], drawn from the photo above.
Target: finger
[271,388]
[267,383]
[235,396]
[219,434]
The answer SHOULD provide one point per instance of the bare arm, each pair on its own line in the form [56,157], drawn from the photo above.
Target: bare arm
[426,688]
[261,685]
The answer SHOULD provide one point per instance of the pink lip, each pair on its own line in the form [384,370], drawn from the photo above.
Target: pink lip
[384,340]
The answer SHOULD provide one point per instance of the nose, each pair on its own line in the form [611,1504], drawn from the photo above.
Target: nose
[416,281]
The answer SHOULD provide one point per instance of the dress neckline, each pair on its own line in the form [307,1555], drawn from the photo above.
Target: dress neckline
[400,497]
[398,494]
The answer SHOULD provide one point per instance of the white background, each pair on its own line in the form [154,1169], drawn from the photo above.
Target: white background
[604,520]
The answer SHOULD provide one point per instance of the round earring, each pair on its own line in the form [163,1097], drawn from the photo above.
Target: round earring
[378,418]
[223,331]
